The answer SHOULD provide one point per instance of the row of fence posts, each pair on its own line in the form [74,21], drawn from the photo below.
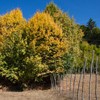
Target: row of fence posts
[57,79]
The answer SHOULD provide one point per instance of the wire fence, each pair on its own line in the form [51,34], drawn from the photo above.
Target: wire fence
[79,86]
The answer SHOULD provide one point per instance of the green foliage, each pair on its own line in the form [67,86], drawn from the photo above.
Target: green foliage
[91,35]
[19,64]
[14,50]
[87,51]
[70,29]
[94,37]
[91,24]
[91,41]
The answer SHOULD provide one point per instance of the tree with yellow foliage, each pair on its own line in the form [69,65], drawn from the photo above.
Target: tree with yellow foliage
[48,41]
[32,51]
[10,23]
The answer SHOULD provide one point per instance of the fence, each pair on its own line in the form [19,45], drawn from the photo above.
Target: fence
[79,86]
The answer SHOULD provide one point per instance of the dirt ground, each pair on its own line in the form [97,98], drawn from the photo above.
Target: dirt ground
[32,95]
[64,92]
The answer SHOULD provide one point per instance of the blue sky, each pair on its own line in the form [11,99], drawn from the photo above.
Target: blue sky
[81,10]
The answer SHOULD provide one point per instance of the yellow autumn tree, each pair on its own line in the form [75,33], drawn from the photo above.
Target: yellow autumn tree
[48,41]
[10,23]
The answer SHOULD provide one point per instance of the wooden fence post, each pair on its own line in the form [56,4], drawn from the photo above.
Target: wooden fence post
[96,79]
[52,81]
[91,75]
[54,76]
[74,86]
[83,78]
[79,84]
[70,81]
[59,83]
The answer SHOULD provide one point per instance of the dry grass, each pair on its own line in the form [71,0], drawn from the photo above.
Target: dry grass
[65,87]
[64,92]
[32,95]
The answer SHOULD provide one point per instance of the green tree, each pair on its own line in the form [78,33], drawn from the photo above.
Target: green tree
[70,29]
[91,33]
[95,36]
[91,24]
[13,52]
[19,64]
